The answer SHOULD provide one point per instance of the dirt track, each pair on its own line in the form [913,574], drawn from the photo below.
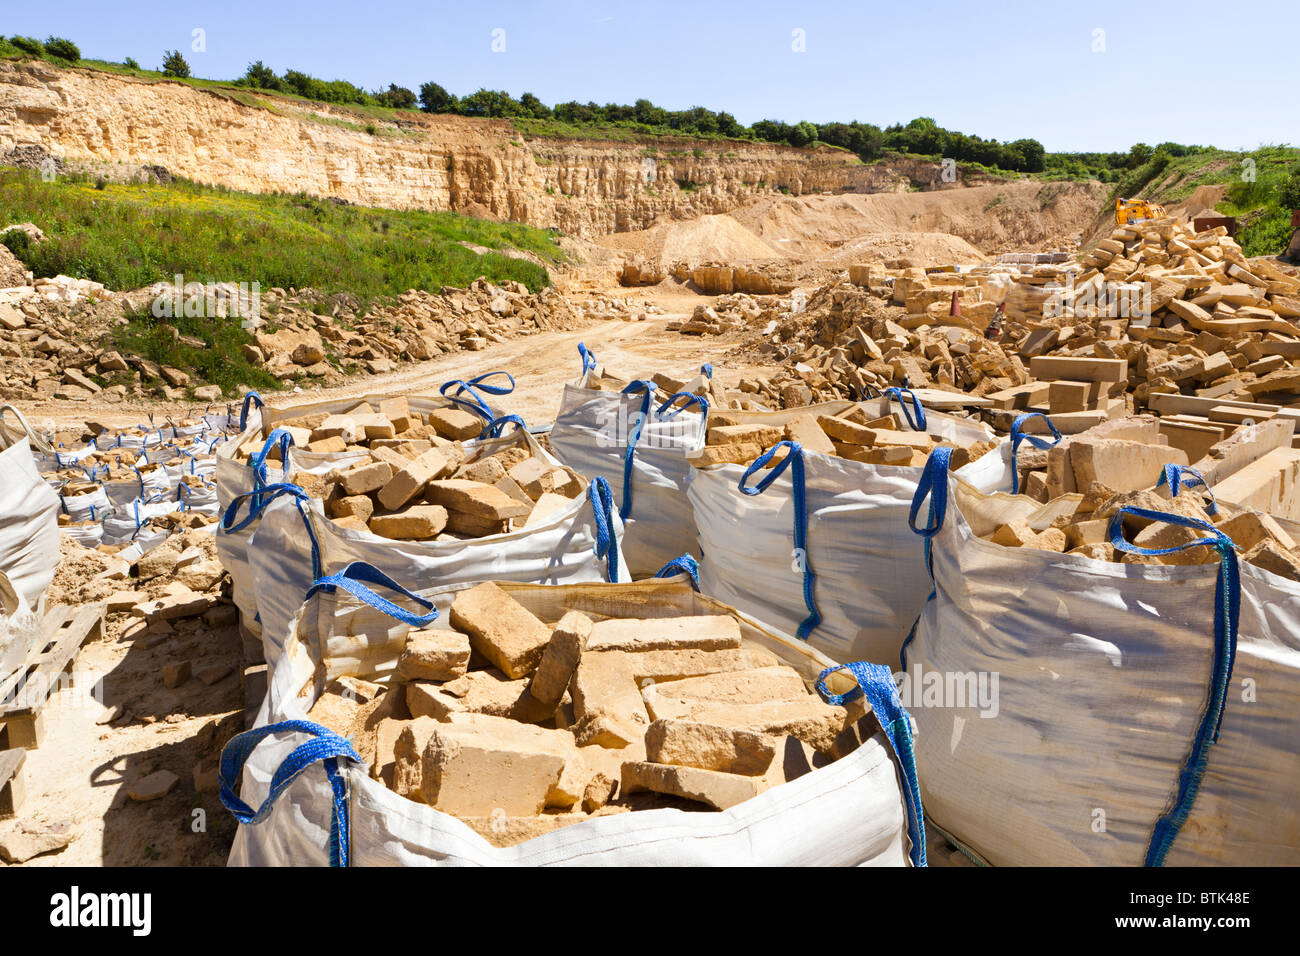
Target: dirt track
[540,363]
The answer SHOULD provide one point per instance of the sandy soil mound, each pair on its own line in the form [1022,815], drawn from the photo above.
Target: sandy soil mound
[707,238]
[1199,203]
[1022,214]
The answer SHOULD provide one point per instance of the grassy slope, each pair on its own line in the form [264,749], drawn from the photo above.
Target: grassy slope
[1265,225]
[129,235]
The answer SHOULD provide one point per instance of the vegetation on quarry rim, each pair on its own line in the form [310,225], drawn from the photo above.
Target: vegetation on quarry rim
[132,235]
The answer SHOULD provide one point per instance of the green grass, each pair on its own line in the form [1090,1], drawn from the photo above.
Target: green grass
[128,236]
[220,362]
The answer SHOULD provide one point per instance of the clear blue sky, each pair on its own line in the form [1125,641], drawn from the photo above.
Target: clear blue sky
[1225,73]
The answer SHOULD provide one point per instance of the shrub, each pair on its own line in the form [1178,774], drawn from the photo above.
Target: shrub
[397,97]
[434,99]
[130,63]
[29,45]
[16,241]
[174,65]
[262,77]
[63,48]
[1291,190]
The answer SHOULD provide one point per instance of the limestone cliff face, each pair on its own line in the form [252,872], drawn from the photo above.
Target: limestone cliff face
[483,167]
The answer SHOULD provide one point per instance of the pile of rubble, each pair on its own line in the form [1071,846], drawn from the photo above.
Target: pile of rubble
[410,477]
[519,726]
[416,326]
[55,334]
[728,312]
[1155,308]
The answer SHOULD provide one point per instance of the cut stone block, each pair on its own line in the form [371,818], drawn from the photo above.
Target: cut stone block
[456,423]
[474,498]
[709,632]
[560,657]
[711,787]
[416,523]
[805,430]
[365,478]
[436,654]
[500,628]
[1122,465]
[735,687]
[492,765]
[477,692]
[710,747]
[607,703]
[407,483]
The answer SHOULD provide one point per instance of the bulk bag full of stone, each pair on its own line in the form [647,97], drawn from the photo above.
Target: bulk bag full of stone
[1144,713]
[326,808]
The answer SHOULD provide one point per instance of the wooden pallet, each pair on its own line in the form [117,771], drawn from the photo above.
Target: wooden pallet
[12,784]
[22,698]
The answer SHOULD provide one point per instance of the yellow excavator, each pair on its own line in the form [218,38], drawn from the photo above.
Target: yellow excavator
[1129,211]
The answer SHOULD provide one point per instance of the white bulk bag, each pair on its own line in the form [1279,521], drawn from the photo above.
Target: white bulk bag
[86,535]
[236,478]
[639,444]
[146,483]
[1122,706]
[90,506]
[29,530]
[132,523]
[295,543]
[851,812]
[819,546]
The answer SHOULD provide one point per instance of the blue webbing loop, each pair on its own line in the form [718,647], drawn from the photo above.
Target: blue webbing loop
[476,403]
[92,512]
[602,507]
[355,579]
[243,409]
[667,411]
[325,746]
[916,416]
[497,425]
[1227,609]
[258,461]
[588,360]
[706,370]
[188,493]
[258,501]
[934,485]
[683,564]
[1175,476]
[634,435]
[877,685]
[1017,436]
[793,460]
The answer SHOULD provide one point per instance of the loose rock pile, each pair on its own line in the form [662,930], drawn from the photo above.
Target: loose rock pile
[55,335]
[519,726]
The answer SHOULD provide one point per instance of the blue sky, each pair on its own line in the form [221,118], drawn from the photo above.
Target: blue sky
[1192,72]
